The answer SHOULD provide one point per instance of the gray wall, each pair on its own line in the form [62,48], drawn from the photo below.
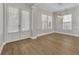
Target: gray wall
[1,23]
[75,21]
[36,21]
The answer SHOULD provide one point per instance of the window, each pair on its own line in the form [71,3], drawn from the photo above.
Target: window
[13,19]
[60,17]
[49,22]
[44,21]
[67,22]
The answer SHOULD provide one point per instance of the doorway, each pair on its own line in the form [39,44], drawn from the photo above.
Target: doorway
[18,23]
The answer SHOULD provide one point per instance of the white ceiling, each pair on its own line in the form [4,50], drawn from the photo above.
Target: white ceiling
[53,7]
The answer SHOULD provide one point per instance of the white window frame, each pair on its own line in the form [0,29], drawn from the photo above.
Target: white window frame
[44,21]
[67,22]
[49,22]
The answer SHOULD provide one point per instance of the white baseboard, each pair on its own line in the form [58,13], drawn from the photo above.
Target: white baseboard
[76,35]
[35,37]
[44,34]
[1,47]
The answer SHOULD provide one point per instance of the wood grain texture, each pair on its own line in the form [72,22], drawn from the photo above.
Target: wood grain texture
[52,44]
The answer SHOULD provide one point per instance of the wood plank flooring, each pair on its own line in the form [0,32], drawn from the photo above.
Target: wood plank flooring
[52,44]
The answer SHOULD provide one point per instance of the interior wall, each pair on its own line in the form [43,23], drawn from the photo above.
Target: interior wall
[75,21]
[1,23]
[37,23]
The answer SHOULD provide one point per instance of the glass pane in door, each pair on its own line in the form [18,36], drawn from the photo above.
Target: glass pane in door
[13,23]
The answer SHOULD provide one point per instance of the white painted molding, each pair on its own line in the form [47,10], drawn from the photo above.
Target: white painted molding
[44,34]
[35,37]
[76,35]
[1,47]
[38,35]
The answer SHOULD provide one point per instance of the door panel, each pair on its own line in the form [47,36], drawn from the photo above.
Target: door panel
[13,23]
[44,22]
[25,24]
[18,24]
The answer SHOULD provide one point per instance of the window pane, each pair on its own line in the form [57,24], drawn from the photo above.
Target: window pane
[60,17]
[67,18]
[67,22]
[13,20]
[44,21]
[50,22]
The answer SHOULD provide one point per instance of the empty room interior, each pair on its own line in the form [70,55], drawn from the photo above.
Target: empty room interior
[39,28]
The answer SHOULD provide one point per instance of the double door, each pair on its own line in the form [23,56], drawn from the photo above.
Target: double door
[18,23]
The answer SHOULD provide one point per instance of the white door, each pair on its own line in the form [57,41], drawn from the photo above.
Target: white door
[25,24]
[18,23]
[13,24]
[44,22]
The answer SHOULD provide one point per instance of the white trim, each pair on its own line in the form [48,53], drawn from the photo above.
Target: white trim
[38,35]
[67,33]
[35,37]
[45,33]
[1,47]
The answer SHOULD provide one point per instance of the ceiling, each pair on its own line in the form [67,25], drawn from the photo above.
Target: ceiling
[53,7]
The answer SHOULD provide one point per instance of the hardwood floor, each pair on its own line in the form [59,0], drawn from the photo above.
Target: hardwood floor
[52,44]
